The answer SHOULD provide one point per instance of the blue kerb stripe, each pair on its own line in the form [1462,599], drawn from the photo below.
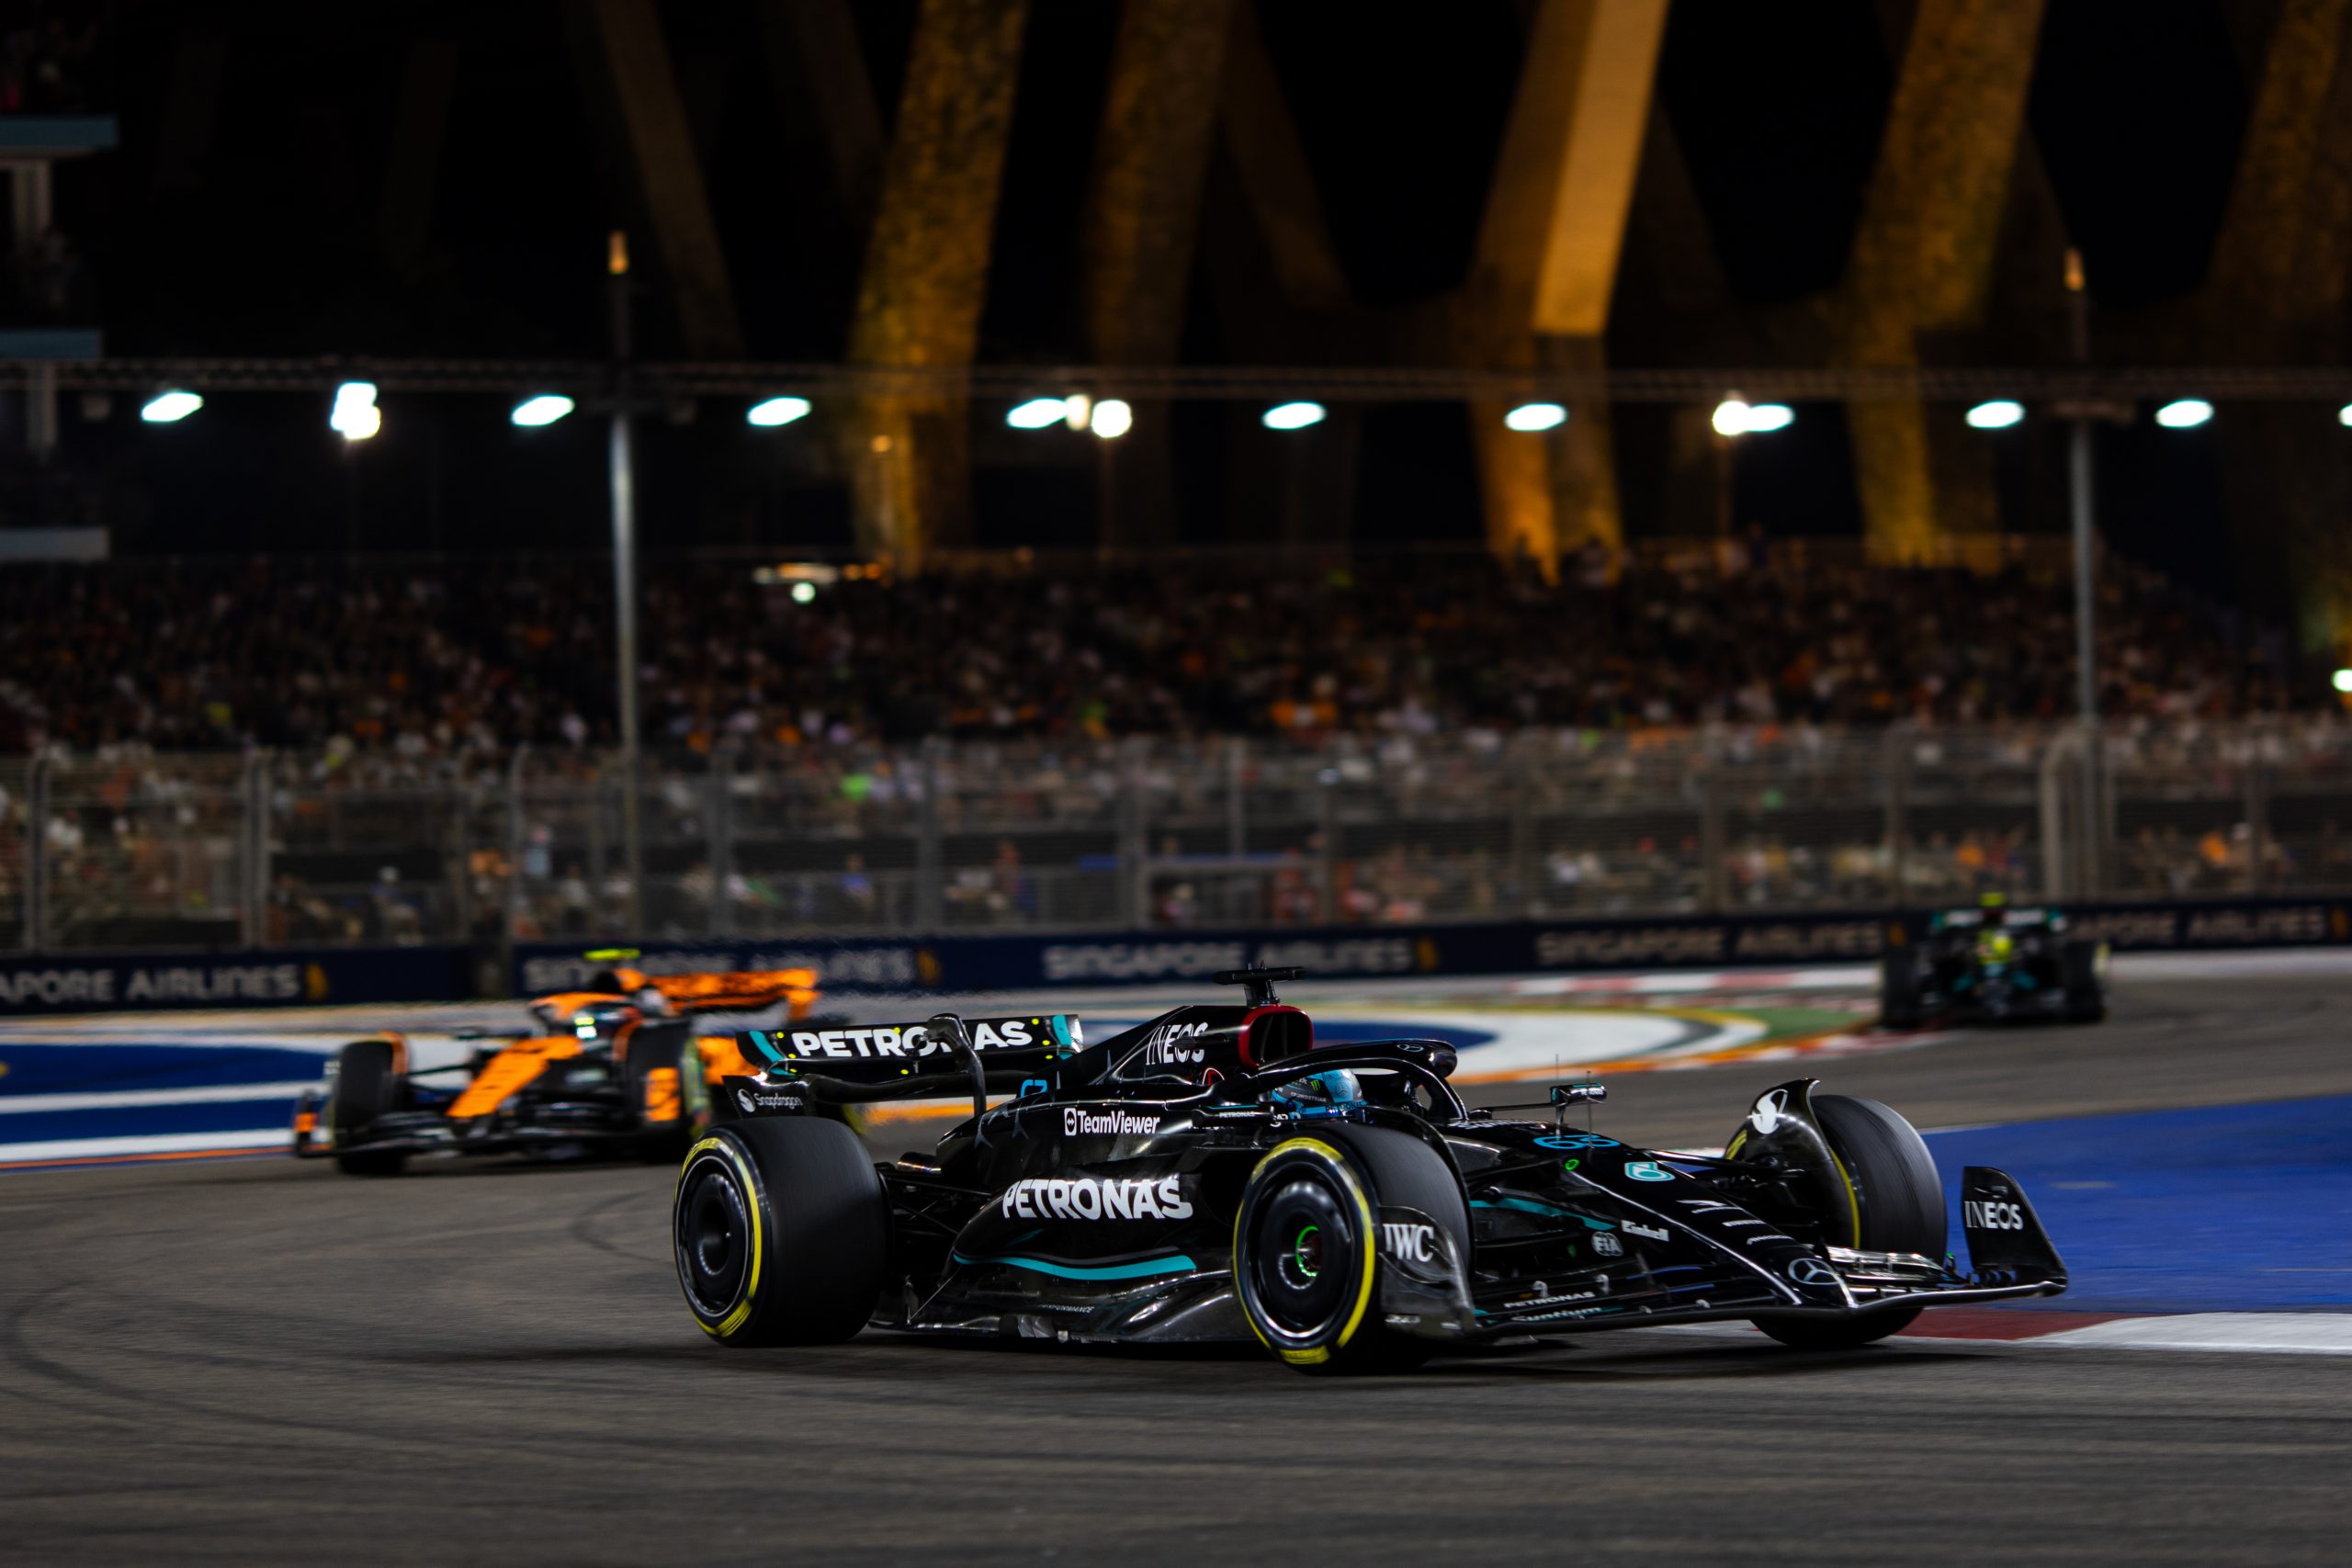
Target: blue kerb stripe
[1145,1269]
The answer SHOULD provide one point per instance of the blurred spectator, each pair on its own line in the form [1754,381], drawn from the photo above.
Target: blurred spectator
[422,662]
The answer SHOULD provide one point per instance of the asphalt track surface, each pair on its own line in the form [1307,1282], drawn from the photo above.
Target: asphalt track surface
[256,1363]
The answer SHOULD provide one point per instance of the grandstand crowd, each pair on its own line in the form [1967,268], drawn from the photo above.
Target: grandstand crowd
[434,659]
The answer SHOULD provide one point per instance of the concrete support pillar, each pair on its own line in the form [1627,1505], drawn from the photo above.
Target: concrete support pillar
[926,273]
[818,69]
[637,59]
[1923,259]
[1159,116]
[1272,165]
[1545,268]
[2276,292]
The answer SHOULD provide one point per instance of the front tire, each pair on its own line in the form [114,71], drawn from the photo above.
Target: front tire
[1898,990]
[2086,986]
[1897,1205]
[781,1231]
[654,1078]
[1306,1245]
[367,1085]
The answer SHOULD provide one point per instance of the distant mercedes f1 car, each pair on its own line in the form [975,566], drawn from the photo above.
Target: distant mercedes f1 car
[1992,965]
[1213,1174]
[617,1065]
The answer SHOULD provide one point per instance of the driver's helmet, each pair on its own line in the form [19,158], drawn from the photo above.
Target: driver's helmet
[596,1024]
[1333,1090]
[1995,907]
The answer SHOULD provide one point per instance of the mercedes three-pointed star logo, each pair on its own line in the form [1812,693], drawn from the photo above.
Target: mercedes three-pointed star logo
[1811,1272]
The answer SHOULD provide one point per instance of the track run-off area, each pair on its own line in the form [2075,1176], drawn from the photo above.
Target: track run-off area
[245,1359]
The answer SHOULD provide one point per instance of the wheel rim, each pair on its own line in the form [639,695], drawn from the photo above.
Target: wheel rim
[714,1237]
[1302,1243]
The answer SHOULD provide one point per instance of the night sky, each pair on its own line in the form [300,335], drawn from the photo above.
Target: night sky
[262,241]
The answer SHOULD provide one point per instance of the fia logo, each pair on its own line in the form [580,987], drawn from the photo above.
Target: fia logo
[1983,1214]
[1409,1243]
[1607,1245]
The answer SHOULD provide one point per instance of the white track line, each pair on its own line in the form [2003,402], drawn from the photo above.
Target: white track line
[2276,1333]
[162,1143]
[109,1099]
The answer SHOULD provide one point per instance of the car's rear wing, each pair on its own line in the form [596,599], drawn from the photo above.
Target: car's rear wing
[883,1061]
[741,990]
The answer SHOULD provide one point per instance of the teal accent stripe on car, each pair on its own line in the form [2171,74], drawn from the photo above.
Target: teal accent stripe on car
[1143,1270]
[1529,1206]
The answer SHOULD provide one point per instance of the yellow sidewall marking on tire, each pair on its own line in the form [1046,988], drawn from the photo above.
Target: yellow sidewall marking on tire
[749,1182]
[1370,1232]
[1853,1199]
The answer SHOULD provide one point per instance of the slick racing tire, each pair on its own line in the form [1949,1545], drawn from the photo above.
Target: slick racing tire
[653,1078]
[2086,986]
[1306,1245]
[1898,990]
[1897,1205]
[367,1085]
[781,1231]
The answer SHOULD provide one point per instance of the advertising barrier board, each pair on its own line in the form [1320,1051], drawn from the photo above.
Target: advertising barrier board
[257,978]
[1034,961]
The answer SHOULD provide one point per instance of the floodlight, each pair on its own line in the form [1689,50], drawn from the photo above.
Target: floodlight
[2344,680]
[169,407]
[2184,414]
[1112,418]
[356,415]
[2344,415]
[803,593]
[1731,417]
[1292,416]
[1535,416]
[777,411]
[1036,413]
[544,409]
[1771,416]
[1998,415]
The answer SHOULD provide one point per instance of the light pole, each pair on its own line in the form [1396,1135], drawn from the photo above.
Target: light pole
[2080,503]
[624,478]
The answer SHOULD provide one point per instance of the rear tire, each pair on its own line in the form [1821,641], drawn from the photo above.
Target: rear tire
[367,1085]
[1898,1206]
[653,1078]
[1898,990]
[1306,1245]
[781,1231]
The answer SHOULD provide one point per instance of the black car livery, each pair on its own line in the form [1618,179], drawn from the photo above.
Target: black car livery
[1214,1173]
[1990,965]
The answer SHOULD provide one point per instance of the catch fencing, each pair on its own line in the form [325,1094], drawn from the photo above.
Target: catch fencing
[281,851]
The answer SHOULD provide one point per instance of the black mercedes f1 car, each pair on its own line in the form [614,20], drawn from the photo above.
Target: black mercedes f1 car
[1992,964]
[1214,1173]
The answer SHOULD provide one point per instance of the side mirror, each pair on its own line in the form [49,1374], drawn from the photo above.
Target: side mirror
[1577,1093]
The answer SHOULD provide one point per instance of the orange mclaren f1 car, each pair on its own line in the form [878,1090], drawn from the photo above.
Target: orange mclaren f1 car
[619,1066]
